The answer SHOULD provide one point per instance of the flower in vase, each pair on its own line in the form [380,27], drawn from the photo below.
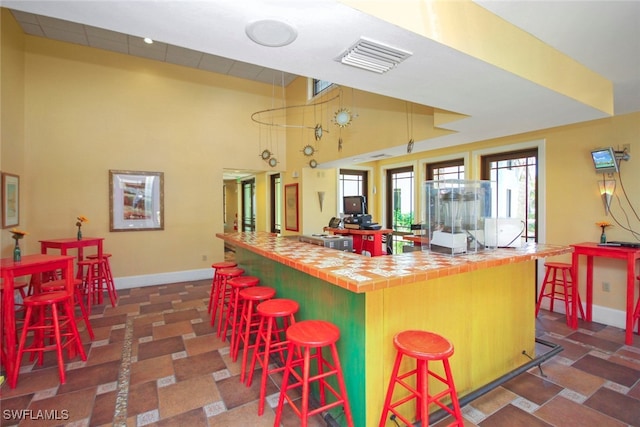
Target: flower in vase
[80,220]
[17,234]
[603,225]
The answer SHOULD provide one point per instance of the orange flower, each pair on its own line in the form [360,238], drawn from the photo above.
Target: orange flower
[18,234]
[80,220]
[603,224]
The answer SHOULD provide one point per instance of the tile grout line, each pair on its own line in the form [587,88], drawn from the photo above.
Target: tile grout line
[120,414]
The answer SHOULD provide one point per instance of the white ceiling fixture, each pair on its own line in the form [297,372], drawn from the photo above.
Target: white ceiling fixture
[373,56]
[271,33]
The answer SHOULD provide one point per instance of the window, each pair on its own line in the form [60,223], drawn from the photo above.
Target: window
[318,86]
[400,204]
[516,187]
[276,197]
[449,169]
[249,205]
[352,183]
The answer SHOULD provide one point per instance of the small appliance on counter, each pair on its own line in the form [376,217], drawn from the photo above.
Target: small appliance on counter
[343,243]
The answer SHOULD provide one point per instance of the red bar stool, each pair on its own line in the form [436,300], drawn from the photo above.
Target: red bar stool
[558,285]
[234,305]
[424,347]
[308,335]
[223,292]
[106,278]
[22,289]
[61,327]
[215,283]
[249,322]
[636,314]
[87,270]
[59,285]
[271,339]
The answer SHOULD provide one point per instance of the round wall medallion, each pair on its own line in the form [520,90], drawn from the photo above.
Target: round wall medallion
[308,150]
[342,117]
[313,164]
[265,154]
[273,162]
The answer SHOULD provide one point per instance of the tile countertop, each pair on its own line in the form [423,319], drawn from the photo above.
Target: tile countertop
[360,274]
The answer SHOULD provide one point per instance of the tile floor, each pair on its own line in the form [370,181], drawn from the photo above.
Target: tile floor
[156,361]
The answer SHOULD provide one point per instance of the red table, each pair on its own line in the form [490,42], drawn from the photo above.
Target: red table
[364,240]
[590,250]
[72,243]
[29,265]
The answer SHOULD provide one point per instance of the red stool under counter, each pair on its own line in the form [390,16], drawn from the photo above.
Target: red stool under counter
[249,322]
[215,283]
[558,285]
[60,326]
[78,286]
[88,273]
[424,347]
[222,294]
[271,339]
[106,282]
[309,337]
[234,305]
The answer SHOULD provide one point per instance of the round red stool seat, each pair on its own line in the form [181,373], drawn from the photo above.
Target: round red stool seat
[234,305]
[222,292]
[60,327]
[424,347]
[216,279]
[271,339]
[306,340]
[249,321]
[558,285]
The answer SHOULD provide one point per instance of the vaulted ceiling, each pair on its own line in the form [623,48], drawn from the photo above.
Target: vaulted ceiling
[508,66]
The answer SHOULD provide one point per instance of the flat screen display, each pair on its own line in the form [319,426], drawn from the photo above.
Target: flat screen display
[354,205]
[604,160]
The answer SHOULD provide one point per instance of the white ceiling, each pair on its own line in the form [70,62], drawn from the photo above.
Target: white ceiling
[602,35]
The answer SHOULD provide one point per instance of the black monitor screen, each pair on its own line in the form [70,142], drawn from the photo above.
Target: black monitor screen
[604,160]
[354,205]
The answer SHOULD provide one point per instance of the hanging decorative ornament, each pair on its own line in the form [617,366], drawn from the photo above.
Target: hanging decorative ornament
[317,131]
[308,150]
[410,146]
[313,164]
[265,154]
[273,162]
[339,144]
[342,117]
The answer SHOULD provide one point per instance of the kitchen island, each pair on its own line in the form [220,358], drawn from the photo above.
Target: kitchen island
[483,302]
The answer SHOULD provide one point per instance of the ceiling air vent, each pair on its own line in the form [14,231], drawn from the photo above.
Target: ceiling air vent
[373,56]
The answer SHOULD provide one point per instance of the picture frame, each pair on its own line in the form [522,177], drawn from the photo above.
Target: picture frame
[291,207]
[136,200]
[10,200]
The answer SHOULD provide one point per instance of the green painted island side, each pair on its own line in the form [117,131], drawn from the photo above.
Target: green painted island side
[321,300]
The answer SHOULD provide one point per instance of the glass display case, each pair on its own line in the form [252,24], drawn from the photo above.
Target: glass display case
[455,215]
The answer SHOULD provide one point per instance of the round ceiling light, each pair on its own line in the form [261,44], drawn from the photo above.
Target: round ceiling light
[271,33]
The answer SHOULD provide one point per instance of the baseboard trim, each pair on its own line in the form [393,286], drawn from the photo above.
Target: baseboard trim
[162,278]
[599,314]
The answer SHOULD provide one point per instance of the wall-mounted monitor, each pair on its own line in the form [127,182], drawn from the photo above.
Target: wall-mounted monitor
[604,160]
[355,205]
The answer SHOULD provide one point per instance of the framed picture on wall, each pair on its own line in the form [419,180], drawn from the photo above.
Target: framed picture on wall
[136,200]
[291,207]
[10,200]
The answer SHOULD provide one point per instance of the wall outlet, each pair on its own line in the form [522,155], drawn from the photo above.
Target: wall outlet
[204,257]
[606,287]
[627,148]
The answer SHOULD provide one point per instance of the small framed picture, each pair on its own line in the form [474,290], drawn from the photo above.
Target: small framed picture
[136,200]
[10,200]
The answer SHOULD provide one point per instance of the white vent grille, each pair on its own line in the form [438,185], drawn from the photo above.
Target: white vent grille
[373,56]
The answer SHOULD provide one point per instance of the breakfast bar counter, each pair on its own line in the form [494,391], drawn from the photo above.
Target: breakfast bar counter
[483,302]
